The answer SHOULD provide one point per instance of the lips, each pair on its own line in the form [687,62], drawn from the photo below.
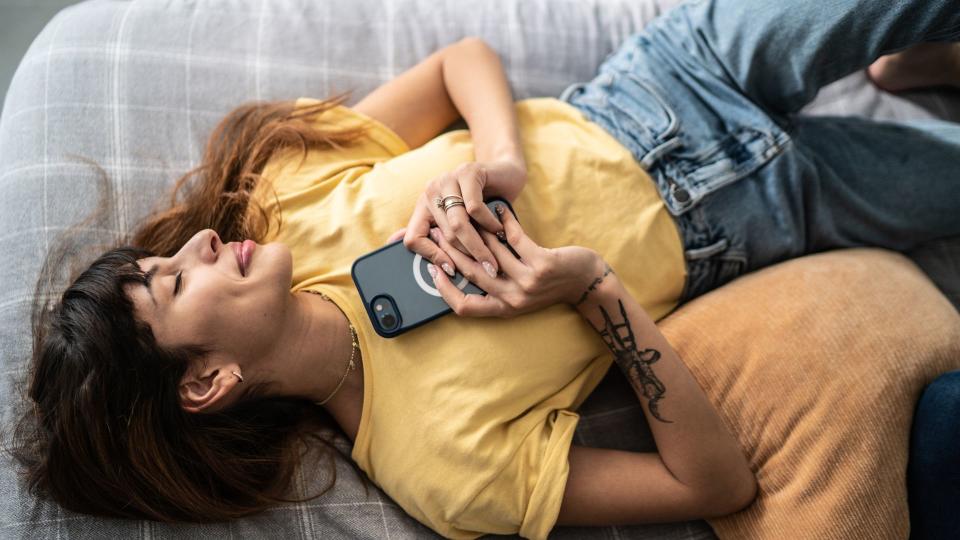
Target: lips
[243,252]
[246,251]
[237,249]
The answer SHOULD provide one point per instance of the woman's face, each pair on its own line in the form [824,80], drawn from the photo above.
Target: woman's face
[216,306]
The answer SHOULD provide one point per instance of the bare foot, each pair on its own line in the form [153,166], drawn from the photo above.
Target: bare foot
[920,66]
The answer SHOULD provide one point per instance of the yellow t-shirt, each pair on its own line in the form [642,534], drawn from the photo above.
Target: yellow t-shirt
[467,422]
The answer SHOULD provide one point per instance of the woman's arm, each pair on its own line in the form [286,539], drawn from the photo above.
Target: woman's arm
[463,79]
[700,470]
[478,87]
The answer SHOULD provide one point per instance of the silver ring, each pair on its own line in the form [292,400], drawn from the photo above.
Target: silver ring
[450,205]
[449,202]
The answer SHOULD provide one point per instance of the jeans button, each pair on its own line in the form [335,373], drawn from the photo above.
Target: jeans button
[681,195]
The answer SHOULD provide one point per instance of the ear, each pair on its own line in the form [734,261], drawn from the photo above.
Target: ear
[208,389]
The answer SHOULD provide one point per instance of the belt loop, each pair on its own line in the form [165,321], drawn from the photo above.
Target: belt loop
[653,155]
[570,90]
[707,251]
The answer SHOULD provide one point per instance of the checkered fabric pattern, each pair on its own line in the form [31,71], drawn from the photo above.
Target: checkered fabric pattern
[136,86]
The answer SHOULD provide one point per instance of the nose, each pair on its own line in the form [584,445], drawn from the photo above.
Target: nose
[210,247]
[204,247]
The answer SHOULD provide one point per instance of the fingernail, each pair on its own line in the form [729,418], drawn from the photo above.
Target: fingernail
[489,268]
[433,270]
[500,209]
[448,269]
[434,236]
[502,236]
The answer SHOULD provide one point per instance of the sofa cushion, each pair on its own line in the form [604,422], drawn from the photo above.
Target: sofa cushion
[816,365]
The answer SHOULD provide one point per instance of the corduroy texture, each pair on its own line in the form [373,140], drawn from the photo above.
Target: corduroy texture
[816,365]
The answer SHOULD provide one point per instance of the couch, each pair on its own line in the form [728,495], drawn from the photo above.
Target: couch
[136,86]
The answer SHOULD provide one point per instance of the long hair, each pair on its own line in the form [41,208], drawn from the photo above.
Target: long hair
[103,431]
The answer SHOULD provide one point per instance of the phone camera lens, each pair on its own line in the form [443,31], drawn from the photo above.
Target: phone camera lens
[389,321]
[387,317]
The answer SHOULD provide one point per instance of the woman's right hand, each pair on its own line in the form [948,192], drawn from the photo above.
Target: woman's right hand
[541,276]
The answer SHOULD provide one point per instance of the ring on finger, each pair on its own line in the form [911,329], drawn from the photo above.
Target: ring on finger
[451,204]
[448,202]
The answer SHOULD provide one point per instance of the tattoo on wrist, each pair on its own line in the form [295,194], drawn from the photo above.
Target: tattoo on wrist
[634,363]
[595,283]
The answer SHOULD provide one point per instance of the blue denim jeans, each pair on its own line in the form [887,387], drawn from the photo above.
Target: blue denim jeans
[706,96]
[933,474]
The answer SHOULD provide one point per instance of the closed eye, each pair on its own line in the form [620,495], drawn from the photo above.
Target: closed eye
[176,285]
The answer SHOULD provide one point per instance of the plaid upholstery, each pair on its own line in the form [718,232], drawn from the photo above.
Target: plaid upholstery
[136,86]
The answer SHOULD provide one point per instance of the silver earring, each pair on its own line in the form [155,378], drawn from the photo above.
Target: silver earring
[238,375]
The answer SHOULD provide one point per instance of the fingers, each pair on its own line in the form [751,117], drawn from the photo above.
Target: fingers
[467,182]
[459,222]
[446,185]
[416,238]
[518,240]
[455,225]
[466,305]
[471,269]
[509,264]
[445,261]
[440,218]
[472,182]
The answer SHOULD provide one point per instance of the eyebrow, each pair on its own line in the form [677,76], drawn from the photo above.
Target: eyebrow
[149,278]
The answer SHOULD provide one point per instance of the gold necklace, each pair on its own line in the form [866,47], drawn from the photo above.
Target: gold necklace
[356,347]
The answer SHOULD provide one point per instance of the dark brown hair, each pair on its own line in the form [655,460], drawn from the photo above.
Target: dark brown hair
[103,431]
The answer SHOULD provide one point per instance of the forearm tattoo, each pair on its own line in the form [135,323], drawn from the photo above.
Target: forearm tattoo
[595,283]
[634,363]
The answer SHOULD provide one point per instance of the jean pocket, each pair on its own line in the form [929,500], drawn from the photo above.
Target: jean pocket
[641,109]
[627,106]
[694,169]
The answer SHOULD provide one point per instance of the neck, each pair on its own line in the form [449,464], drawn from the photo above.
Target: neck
[312,356]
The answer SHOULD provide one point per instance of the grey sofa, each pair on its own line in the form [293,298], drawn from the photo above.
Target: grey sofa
[136,86]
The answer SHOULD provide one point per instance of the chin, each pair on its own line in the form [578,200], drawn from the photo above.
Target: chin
[278,262]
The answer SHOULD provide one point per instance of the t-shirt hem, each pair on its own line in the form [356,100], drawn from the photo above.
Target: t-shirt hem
[543,509]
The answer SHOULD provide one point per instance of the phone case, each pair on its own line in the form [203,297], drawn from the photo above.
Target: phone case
[398,291]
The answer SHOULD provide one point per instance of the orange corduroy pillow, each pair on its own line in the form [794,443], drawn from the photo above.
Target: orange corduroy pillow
[816,365]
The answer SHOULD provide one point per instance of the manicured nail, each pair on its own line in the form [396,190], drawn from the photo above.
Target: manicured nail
[500,209]
[448,269]
[502,236]
[433,270]
[435,236]
[489,268]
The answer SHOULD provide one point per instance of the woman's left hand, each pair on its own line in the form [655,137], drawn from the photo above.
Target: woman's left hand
[472,181]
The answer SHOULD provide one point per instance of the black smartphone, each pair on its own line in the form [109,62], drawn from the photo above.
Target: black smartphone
[398,291]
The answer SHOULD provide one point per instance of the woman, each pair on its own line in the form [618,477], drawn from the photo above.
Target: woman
[175,382]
